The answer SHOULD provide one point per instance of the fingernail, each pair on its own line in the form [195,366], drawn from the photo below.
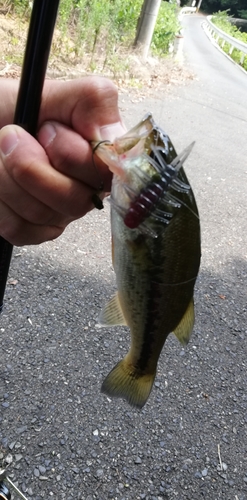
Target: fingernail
[110,132]
[47,134]
[8,140]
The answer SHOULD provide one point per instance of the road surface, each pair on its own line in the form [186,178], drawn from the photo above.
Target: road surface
[61,437]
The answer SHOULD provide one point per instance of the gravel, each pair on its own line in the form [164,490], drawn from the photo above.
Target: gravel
[62,438]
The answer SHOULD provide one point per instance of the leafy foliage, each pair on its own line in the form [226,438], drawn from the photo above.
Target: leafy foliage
[108,22]
[19,6]
[223,21]
[167,26]
[101,30]
[236,8]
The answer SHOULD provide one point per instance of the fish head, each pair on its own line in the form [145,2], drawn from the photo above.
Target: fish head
[124,151]
[145,170]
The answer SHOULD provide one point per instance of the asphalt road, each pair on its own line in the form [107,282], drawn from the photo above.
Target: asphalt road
[61,437]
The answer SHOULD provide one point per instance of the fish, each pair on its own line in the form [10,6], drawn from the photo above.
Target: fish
[156,253]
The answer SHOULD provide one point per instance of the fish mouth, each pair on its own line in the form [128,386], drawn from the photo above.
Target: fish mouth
[146,178]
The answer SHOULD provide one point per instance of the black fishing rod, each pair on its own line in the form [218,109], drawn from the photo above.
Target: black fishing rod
[42,23]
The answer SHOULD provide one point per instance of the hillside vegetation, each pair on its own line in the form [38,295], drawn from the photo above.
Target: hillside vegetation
[224,22]
[101,32]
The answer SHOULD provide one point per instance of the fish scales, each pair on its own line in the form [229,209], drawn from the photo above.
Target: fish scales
[156,264]
[154,292]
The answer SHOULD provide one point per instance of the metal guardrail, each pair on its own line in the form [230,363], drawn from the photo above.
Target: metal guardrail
[224,37]
[188,10]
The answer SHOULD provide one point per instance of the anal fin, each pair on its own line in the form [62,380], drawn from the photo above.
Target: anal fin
[184,329]
[112,313]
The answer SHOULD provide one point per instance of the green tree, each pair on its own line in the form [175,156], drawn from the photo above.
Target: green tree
[237,8]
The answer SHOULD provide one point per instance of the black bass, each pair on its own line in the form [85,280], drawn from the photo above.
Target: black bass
[156,253]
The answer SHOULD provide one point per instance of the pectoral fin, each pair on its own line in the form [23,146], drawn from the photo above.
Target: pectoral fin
[184,329]
[112,313]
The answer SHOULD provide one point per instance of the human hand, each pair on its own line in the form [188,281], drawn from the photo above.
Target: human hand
[47,183]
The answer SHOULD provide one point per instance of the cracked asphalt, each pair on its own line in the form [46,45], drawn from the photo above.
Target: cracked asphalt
[62,438]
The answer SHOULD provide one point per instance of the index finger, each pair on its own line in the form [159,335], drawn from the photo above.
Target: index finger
[88,105]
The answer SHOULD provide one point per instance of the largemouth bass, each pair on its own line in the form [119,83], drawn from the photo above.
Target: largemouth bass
[155,252]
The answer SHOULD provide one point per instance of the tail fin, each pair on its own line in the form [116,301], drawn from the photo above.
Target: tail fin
[125,382]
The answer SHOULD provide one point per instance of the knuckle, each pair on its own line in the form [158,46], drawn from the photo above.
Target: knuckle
[102,86]
[21,170]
